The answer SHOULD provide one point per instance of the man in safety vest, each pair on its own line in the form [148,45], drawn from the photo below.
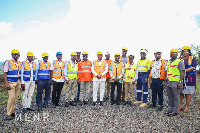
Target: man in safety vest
[58,79]
[71,80]
[78,59]
[124,59]
[157,76]
[99,70]
[130,79]
[107,55]
[43,81]
[116,74]
[28,73]
[175,75]
[12,71]
[84,78]
[143,67]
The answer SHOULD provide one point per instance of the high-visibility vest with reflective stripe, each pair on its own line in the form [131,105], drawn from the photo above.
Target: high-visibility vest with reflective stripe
[129,72]
[72,71]
[13,72]
[44,71]
[162,69]
[144,65]
[58,71]
[108,74]
[173,73]
[27,71]
[99,69]
[116,71]
[84,70]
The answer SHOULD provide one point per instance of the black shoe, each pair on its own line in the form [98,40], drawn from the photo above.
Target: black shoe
[13,115]
[159,108]
[118,103]
[94,103]
[86,102]
[58,104]
[131,104]
[39,108]
[31,109]
[53,105]
[151,106]
[9,117]
[107,98]
[24,110]
[67,104]
[168,112]
[80,103]
[72,103]
[125,103]
[111,103]
[44,106]
[101,103]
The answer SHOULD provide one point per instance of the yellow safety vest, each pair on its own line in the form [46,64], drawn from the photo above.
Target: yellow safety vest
[130,72]
[173,73]
[144,65]
[72,71]
[99,69]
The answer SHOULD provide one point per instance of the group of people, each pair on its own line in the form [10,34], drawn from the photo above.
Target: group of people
[177,75]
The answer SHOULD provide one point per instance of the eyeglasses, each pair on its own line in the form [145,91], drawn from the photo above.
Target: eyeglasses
[84,55]
[142,54]
[16,54]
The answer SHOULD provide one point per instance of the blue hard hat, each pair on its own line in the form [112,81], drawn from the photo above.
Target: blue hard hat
[59,53]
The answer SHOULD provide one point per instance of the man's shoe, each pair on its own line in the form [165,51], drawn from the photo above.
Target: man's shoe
[101,103]
[80,103]
[111,103]
[39,108]
[44,106]
[151,105]
[72,103]
[24,110]
[31,109]
[168,112]
[138,102]
[159,108]
[143,105]
[9,117]
[58,104]
[86,102]
[67,104]
[118,103]
[13,115]
[53,105]
[125,103]
[172,114]
[131,104]
[94,103]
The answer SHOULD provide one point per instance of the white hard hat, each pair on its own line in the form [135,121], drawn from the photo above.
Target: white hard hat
[144,51]
[157,51]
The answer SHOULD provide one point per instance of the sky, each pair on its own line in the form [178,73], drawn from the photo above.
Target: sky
[92,25]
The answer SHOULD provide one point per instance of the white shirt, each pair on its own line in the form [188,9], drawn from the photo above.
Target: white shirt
[22,71]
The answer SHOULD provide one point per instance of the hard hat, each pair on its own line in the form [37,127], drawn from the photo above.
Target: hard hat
[59,53]
[107,53]
[29,53]
[125,48]
[99,53]
[186,47]
[131,55]
[45,54]
[117,54]
[174,50]
[143,51]
[157,51]
[14,51]
[84,52]
[73,53]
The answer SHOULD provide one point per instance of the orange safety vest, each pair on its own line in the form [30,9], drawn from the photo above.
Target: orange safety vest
[99,69]
[108,74]
[27,71]
[162,69]
[58,71]
[44,71]
[84,70]
[13,72]
[116,71]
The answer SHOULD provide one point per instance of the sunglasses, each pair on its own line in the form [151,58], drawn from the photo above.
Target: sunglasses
[16,54]
[84,55]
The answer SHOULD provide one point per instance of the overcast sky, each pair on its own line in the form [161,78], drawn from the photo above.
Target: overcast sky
[91,25]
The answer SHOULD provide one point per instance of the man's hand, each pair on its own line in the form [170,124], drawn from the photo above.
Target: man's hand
[23,86]
[79,81]
[133,82]
[179,85]
[116,79]
[146,80]
[67,81]
[8,86]
[149,80]
[99,76]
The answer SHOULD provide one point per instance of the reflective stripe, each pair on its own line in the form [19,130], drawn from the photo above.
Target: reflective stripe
[71,72]
[174,75]
[145,92]
[139,90]
[56,74]
[12,75]
[84,71]
[43,74]
[144,66]
[28,76]
[11,65]
[85,66]
[142,71]
[99,69]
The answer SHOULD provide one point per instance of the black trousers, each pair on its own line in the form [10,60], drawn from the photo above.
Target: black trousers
[57,88]
[119,87]
[157,91]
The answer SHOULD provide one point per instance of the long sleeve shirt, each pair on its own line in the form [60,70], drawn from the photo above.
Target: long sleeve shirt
[104,73]
[66,69]
[22,72]
[120,76]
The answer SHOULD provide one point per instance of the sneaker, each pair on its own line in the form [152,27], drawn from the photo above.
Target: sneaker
[138,102]
[143,105]
[67,104]
[101,103]
[9,117]
[24,110]
[159,108]
[151,105]
[94,103]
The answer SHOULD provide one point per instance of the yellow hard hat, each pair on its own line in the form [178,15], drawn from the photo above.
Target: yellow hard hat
[174,50]
[84,52]
[14,51]
[125,48]
[45,54]
[29,53]
[186,47]
[73,53]
[99,52]
[117,54]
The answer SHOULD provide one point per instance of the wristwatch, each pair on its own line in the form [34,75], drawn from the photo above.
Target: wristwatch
[180,81]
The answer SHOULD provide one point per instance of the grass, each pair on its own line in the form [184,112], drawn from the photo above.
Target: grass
[198,90]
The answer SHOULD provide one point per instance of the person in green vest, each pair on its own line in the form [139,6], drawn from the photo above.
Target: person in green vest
[173,83]
[130,79]
[71,80]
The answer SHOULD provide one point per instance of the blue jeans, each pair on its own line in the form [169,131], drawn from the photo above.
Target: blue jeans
[141,84]
[43,84]
[157,91]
